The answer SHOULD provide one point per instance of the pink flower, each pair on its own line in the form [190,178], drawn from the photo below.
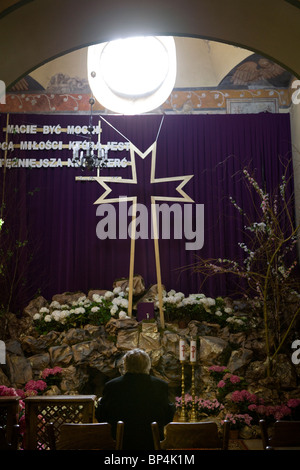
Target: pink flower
[20,393]
[252,407]
[281,411]
[238,420]
[217,368]
[56,370]
[234,379]
[243,395]
[7,391]
[293,402]
[36,385]
[221,384]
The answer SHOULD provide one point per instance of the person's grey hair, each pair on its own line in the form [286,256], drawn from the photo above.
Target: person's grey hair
[137,361]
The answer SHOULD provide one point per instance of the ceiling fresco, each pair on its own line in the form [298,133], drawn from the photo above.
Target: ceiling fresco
[209,76]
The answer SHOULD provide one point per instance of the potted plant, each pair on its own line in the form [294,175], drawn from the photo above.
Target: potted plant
[237,422]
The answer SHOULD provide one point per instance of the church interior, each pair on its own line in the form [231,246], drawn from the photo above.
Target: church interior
[150,203]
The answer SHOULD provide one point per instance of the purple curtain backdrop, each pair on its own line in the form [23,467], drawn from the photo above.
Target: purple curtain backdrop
[57,215]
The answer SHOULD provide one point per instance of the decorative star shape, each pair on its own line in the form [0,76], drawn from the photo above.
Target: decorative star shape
[103,180]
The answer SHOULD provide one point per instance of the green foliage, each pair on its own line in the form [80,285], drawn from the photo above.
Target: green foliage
[97,311]
[201,308]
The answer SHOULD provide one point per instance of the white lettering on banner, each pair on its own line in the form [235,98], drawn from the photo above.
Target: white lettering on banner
[54,163]
[48,145]
[82,130]
[22,129]
[7,145]
[33,163]
[52,129]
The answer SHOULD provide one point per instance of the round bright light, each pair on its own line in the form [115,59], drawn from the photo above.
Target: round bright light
[133,75]
[134,66]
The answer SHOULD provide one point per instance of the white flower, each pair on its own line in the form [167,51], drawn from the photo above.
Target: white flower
[108,294]
[122,315]
[81,299]
[79,310]
[95,309]
[230,319]
[37,316]
[218,313]
[55,304]
[228,310]
[97,298]
[64,313]
[117,290]
[48,318]
[179,295]
[198,296]
[113,310]
[56,315]
[44,310]
[124,303]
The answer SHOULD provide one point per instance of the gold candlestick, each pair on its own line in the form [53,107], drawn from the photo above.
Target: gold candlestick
[193,417]
[183,414]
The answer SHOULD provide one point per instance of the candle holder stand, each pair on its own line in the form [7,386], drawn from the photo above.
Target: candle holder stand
[193,417]
[183,413]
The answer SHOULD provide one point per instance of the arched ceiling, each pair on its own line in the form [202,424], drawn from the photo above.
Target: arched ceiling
[34,32]
[200,63]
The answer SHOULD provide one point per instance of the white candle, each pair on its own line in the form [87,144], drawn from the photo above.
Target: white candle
[182,350]
[193,351]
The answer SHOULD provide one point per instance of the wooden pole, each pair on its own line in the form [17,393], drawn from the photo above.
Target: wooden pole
[157,261]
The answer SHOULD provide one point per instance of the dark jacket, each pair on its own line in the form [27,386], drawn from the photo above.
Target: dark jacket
[137,400]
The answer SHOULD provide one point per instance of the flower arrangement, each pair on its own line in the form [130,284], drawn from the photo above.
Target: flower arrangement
[294,405]
[35,387]
[52,376]
[202,406]
[237,404]
[209,407]
[253,405]
[7,391]
[237,421]
[217,372]
[226,382]
[97,311]
[244,400]
[199,307]
[246,403]
[188,402]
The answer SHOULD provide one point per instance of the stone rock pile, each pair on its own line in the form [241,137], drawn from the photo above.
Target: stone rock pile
[91,355]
